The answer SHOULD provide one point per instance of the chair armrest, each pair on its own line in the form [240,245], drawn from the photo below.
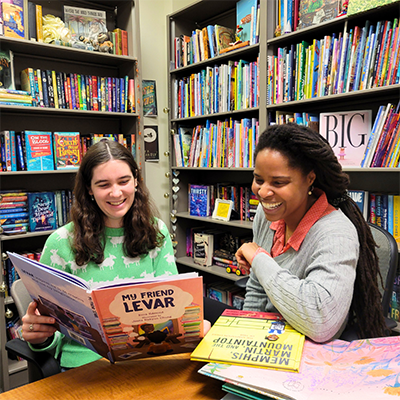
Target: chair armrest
[43,361]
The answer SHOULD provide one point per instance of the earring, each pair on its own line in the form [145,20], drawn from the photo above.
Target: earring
[310,190]
[92,198]
[135,189]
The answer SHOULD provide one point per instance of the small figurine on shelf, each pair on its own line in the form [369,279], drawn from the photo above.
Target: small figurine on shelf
[238,34]
[104,42]
[343,11]
[237,269]
[277,31]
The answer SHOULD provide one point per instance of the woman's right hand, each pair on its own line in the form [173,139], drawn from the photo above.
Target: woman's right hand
[36,328]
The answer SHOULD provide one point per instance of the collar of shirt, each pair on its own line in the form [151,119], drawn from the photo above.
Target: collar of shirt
[319,209]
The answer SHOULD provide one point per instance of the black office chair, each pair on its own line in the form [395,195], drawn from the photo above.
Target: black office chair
[40,364]
[213,309]
[387,252]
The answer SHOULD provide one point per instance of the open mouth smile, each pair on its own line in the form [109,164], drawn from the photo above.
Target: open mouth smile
[270,206]
[117,203]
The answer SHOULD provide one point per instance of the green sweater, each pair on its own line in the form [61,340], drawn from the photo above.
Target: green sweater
[58,253]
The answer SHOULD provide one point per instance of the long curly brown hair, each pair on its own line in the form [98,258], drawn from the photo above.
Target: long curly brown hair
[307,151]
[141,230]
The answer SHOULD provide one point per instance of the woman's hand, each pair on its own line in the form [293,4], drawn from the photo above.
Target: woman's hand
[36,328]
[245,254]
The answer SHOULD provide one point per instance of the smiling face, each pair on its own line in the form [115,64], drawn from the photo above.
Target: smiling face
[281,189]
[113,187]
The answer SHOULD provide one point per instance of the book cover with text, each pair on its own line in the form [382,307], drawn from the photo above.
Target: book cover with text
[252,338]
[347,132]
[39,151]
[67,150]
[123,319]
[42,211]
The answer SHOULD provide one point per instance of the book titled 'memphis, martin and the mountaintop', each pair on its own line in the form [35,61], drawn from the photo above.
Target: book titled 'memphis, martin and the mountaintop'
[120,320]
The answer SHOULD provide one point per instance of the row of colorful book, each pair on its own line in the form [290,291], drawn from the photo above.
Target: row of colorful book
[77,91]
[48,151]
[87,28]
[229,143]
[225,87]
[355,59]
[213,40]
[227,293]
[22,212]
[382,209]
[202,200]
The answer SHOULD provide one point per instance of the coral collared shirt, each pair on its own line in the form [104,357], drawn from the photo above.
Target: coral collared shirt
[319,209]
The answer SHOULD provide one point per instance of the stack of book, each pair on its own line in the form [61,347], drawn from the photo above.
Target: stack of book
[10,97]
[14,215]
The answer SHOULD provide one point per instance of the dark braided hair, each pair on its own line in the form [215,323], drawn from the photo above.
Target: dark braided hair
[308,151]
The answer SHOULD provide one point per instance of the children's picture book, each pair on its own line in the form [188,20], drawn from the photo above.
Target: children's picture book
[224,36]
[355,6]
[67,150]
[185,138]
[6,69]
[149,98]
[13,18]
[39,151]
[347,132]
[245,13]
[120,320]
[85,22]
[252,338]
[313,12]
[360,197]
[199,200]
[366,369]
[42,211]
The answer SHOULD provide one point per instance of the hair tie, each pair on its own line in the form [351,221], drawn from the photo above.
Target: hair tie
[336,202]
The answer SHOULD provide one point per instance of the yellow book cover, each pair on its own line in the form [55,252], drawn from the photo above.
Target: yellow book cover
[251,338]
[39,23]
[396,219]
[54,80]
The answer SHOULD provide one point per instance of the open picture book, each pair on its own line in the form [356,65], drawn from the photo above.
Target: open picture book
[367,369]
[120,320]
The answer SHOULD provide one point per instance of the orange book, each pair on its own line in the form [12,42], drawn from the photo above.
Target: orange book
[124,37]
[67,150]
[133,319]
[39,23]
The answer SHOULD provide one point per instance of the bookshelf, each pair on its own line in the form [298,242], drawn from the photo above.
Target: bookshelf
[200,14]
[122,14]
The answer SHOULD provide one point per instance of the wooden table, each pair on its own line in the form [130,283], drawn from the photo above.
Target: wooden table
[172,377]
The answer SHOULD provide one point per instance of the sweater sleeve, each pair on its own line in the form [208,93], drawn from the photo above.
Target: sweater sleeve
[314,288]
[164,262]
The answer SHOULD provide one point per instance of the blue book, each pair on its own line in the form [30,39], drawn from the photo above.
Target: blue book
[360,197]
[244,19]
[390,214]
[199,200]
[211,40]
[42,211]
[39,151]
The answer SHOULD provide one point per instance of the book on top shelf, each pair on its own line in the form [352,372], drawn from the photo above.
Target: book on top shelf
[315,12]
[42,211]
[123,319]
[362,369]
[252,338]
[39,151]
[225,37]
[13,18]
[67,150]
[84,22]
[6,69]
[347,132]
[246,11]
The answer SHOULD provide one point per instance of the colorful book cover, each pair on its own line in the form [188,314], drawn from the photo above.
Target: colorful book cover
[67,150]
[39,151]
[203,248]
[6,69]
[13,18]
[313,12]
[84,22]
[121,320]
[199,200]
[224,37]
[360,197]
[252,338]
[347,132]
[244,18]
[367,369]
[356,6]
[42,211]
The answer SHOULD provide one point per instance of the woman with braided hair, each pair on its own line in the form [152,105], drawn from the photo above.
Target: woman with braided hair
[313,256]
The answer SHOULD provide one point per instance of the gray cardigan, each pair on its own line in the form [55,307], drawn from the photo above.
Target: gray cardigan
[313,287]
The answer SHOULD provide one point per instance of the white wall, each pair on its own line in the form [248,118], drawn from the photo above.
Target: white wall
[153,40]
